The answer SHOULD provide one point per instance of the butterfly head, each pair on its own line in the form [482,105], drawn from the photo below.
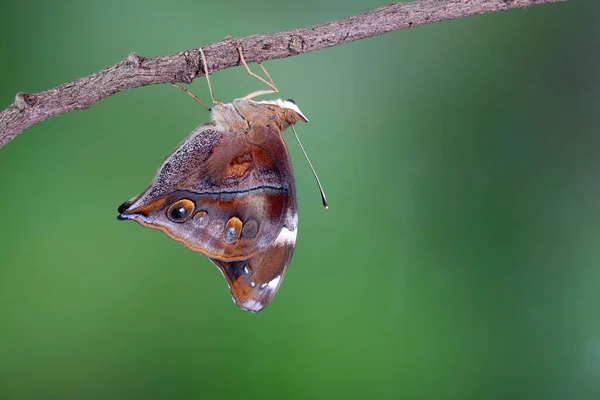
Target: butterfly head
[292,113]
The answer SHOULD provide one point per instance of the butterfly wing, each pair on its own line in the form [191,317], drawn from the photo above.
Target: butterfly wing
[255,280]
[232,198]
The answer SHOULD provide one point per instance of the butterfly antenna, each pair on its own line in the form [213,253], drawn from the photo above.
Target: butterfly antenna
[323,197]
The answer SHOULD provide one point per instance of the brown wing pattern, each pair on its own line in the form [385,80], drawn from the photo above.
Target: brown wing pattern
[232,198]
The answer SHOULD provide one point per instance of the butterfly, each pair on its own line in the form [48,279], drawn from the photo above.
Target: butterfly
[228,192]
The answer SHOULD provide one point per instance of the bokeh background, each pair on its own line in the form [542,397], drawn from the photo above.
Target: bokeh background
[459,257]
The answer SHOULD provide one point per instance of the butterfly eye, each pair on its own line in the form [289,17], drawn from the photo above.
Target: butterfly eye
[291,101]
[181,210]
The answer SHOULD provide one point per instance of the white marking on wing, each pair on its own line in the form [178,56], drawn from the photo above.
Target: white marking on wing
[273,284]
[286,236]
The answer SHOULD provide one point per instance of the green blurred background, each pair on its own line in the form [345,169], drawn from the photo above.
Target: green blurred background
[459,257]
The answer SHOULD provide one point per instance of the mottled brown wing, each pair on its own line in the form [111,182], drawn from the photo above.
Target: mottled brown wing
[232,200]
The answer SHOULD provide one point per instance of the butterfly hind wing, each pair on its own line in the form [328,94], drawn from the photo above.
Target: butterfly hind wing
[253,282]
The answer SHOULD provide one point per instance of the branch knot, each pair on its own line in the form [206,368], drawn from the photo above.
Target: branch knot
[295,45]
[135,59]
[25,100]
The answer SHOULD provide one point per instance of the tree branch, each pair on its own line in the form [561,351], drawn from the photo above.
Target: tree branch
[135,71]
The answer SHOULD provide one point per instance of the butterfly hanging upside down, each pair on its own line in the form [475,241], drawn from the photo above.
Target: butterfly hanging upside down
[228,192]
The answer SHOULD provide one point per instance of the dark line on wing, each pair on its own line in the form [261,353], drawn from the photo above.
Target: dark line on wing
[275,188]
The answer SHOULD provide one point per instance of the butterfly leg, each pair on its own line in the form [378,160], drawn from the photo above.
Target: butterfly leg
[208,78]
[191,94]
[269,83]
